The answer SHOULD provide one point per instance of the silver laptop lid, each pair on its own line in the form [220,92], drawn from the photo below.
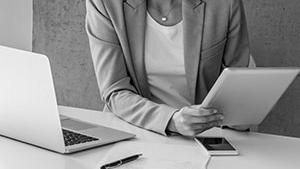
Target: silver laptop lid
[28,107]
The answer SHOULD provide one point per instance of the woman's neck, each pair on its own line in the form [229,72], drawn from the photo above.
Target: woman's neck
[162,5]
[170,9]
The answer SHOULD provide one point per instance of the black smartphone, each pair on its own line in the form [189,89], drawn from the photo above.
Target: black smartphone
[217,146]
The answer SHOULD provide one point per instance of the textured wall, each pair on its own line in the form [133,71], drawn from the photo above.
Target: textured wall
[16,31]
[274,27]
[58,32]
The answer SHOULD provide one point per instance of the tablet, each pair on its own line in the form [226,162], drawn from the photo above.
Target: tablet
[245,96]
[217,146]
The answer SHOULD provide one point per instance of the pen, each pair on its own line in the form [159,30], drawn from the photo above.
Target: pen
[122,161]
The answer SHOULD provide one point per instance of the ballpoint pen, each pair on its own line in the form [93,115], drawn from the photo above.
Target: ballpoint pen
[121,162]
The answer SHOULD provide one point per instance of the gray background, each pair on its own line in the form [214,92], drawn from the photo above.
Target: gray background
[274,28]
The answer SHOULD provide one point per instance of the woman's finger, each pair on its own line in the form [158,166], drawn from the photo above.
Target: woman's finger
[205,119]
[200,112]
[205,126]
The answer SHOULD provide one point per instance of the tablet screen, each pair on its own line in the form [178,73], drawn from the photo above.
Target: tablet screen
[215,143]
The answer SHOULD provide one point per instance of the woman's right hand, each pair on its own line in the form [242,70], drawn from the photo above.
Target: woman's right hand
[193,120]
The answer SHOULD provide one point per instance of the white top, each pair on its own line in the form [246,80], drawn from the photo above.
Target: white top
[164,62]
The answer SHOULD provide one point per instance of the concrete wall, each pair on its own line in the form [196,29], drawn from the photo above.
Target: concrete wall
[58,32]
[274,27]
[16,24]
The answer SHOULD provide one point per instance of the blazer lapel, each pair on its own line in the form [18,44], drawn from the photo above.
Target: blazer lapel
[193,23]
[135,16]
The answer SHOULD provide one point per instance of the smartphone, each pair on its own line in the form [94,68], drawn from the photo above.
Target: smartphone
[217,146]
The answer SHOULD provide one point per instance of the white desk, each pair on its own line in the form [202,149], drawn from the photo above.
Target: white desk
[257,150]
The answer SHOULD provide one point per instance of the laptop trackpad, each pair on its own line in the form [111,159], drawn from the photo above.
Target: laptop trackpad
[76,125]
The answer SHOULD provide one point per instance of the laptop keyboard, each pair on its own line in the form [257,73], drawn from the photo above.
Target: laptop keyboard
[72,138]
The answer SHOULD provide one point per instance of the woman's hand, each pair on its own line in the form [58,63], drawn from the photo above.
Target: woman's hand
[190,121]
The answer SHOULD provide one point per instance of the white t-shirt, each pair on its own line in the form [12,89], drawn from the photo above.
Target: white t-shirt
[164,62]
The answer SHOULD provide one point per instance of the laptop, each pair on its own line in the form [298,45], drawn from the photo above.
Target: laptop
[245,96]
[29,111]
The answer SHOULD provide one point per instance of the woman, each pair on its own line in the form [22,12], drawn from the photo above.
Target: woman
[155,60]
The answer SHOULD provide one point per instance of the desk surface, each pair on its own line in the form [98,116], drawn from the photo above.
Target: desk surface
[256,150]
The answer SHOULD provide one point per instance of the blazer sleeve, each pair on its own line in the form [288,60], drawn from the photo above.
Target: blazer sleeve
[114,82]
[237,53]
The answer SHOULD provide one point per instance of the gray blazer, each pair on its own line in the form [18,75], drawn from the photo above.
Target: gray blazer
[215,36]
